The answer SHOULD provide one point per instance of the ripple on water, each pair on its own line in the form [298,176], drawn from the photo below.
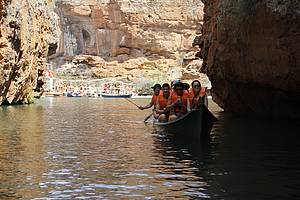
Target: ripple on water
[64,148]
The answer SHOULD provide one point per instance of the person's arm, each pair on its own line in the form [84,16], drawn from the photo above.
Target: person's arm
[160,111]
[157,108]
[199,101]
[147,106]
[205,100]
[188,105]
[171,105]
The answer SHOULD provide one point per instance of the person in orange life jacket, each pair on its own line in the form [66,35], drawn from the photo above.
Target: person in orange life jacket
[161,105]
[172,86]
[179,103]
[156,91]
[186,87]
[186,90]
[196,95]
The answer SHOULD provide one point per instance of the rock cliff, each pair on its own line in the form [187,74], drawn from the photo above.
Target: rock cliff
[27,34]
[134,37]
[251,54]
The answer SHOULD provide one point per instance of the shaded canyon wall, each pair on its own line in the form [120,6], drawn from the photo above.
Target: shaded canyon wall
[251,52]
[27,33]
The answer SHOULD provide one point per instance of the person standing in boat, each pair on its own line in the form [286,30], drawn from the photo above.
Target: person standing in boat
[197,95]
[162,101]
[179,103]
[156,91]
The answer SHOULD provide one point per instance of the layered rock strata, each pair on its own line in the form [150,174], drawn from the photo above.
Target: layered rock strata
[252,57]
[27,30]
[130,34]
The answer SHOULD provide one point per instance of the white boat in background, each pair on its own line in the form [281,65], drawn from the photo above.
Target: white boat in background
[116,89]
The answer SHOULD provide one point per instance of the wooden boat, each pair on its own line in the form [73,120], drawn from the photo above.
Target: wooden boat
[196,124]
[105,95]
[74,94]
[58,94]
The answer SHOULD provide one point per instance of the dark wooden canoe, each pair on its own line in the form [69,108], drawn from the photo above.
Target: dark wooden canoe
[104,95]
[196,124]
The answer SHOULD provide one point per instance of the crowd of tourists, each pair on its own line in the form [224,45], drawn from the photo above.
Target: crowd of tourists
[172,101]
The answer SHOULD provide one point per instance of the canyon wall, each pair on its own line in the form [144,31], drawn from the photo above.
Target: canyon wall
[130,38]
[251,52]
[27,33]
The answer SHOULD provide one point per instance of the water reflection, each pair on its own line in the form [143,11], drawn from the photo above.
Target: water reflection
[21,150]
[245,158]
[181,162]
[84,148]
[258,157]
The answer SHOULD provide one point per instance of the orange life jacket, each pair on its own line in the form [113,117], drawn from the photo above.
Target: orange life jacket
[154,98]
[197,100]
[162,101]
[185,99]
[203,91]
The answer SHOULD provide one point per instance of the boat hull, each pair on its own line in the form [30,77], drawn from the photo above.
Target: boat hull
[73,95]
[116,95]
[196,124]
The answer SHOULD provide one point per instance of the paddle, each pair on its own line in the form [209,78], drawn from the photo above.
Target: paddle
[145,120]
[132,102]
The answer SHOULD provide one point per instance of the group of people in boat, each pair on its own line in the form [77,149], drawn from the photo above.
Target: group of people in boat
[173,101]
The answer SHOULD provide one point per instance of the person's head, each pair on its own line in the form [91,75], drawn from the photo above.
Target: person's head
[175,82]
[166,89]
[178,87]
[156,88]
[186,86]
[196,85]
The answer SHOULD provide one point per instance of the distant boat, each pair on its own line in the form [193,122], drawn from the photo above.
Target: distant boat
[53,94]
[92,95]
[196,124]
[105,95]
[74,94]
[58,94]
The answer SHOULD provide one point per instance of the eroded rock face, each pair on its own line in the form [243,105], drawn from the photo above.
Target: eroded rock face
[124,31]
[27,29]
[252,57]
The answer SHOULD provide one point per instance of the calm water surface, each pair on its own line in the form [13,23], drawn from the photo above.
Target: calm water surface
[81,148]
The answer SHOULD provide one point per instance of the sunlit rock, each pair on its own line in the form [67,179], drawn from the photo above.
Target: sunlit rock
[118,30]
[28,27]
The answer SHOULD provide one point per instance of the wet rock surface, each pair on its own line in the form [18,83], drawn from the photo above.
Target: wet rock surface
[252,57]
[27,30]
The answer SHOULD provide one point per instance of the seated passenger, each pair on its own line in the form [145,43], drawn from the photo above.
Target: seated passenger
[186,87]
[172,86]
[162,102]
[197,94]
[179,103]
[156,91]
[203,95]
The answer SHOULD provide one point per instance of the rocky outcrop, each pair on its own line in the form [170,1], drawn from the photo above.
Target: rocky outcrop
[27,29]
[252,57]
[126,32]
[90,67]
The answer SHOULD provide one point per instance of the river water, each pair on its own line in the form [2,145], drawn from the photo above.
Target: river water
[85,148]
